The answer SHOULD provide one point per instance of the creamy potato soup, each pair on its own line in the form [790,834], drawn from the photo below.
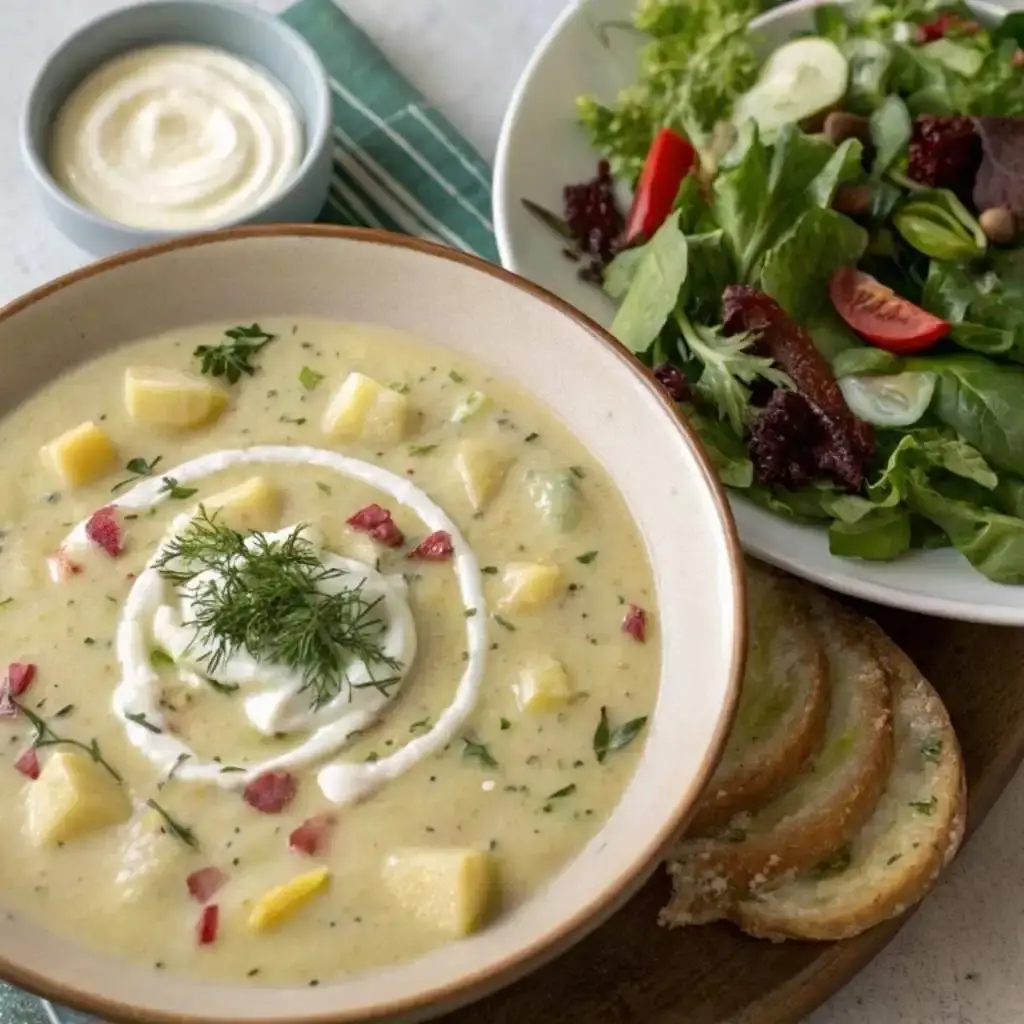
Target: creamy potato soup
[324,648]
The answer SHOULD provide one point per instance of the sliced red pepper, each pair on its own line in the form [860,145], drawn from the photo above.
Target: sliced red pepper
[377,522]
[202,884]
[209,921]
[28,763]
[437,547]
[669,160]
[312,835]
[635,623]
[943,25]
[271,792]
[19,677]
[104,530]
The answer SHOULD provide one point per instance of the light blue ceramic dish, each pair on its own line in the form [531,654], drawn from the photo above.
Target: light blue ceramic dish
[243,31]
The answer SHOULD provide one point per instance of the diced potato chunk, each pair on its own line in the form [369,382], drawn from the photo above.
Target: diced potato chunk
[357,545]
[174,399]
[253,505]
[527,585]
[72,797]
[483,468]
[543,687]
[469,406]
[81,455]
[451,890]
[362,408]
[286,900]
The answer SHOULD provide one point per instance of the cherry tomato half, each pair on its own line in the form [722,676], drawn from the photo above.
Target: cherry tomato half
[881,316]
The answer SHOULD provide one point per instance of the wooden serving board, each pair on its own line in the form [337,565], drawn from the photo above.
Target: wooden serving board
[631,971]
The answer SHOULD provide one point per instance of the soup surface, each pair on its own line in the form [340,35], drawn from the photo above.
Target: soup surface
[325,648]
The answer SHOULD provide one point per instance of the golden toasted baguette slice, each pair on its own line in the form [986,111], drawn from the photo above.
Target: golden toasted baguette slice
[914,833]
[783,703]
[822,809]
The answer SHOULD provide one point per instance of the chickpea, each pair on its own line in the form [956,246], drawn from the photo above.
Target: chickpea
[999,225]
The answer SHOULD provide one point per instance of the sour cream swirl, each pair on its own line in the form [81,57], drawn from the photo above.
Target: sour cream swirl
[342,782]
[176,137]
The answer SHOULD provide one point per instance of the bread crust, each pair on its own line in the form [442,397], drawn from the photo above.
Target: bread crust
[789,662]
[913,835]
[821,810]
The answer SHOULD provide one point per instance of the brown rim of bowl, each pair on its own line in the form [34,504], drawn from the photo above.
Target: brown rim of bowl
[612,897]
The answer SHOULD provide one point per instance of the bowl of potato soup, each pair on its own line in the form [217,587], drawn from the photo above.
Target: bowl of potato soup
[371,624]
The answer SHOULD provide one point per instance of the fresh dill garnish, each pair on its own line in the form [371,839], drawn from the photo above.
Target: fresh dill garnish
[231,358]
[423,725]
[174,827]
[139,718]
[309,378]
[268,597]
[478,752]
[504,623]
[175,491]
[138,467]
[64,711]
[46,737]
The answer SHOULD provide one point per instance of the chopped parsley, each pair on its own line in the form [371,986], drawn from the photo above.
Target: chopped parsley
[478,752]
[490,570]
[159,658]
[175,491]
[586,558]
[421,449]
[564,791]
[233,357]
[138,467]
[578,472]
[931,749]
[926,807]
[456,377]
[323,488]
[139,718]
[423,725]
[531,437]
[607,739]
[504,724]
[309,378]
[504,623]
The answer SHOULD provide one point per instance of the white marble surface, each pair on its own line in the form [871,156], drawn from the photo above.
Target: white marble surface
[961,959]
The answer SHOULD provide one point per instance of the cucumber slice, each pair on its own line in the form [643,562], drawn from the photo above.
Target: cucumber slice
[800,79]
[892,400]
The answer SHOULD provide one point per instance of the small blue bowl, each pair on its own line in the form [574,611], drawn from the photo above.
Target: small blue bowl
[242,31]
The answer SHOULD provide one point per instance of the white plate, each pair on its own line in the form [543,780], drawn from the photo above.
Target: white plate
[541,149]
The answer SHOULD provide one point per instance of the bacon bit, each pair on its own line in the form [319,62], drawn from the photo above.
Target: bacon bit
[271,792]
[28,763]
[377,522]
[62,568]
[104,530]
[635,623]
[209,920]
[435,548]
[312,835]
[202,884]
[19,677]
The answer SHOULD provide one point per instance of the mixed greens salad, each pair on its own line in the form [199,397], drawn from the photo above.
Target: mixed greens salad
[822,262]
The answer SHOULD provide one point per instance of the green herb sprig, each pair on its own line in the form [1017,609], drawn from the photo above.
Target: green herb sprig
[175,491]
[268,597]
[45,737]
[175,827]
[607,739]
[233,357]
[138,467]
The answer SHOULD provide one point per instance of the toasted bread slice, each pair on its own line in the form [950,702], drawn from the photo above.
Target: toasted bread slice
[822,809]
[783,704]
[914,833]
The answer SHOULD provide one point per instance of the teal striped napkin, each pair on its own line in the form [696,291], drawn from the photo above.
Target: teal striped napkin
[399,164]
